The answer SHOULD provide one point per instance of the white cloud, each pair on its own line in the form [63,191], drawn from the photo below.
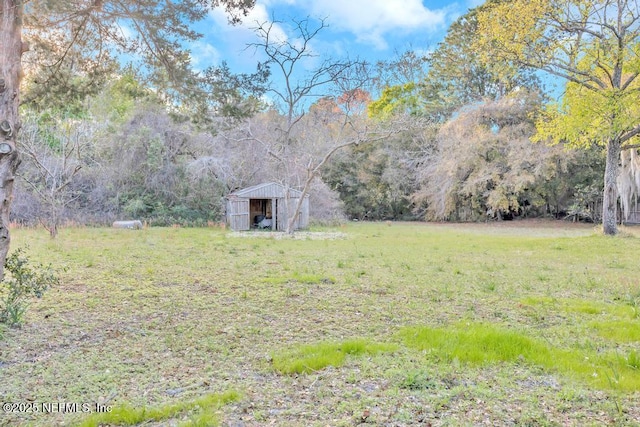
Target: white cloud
[238,38]
[258,15]
[371,20]
[203,55]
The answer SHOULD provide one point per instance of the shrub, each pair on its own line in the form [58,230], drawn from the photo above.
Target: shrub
[22,281]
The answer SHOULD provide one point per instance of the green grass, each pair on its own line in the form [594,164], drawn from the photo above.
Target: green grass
[305,359]
[617,309]
[621,331]
[417,379]
[305,278]
[475,343]
[483,344]
[311,279]
[198,412]
[141,314]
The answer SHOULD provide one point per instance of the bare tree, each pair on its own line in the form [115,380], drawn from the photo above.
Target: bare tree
[52,157]
[316,113]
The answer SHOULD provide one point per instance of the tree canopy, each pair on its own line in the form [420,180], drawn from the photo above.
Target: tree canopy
[80,41]
[594,46]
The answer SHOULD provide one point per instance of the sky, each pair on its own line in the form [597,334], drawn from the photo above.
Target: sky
[368,30]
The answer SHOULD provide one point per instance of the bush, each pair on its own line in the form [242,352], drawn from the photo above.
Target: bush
[20,282]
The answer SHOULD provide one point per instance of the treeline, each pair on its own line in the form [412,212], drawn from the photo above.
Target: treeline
[124,154]
[452,142]
[478,165]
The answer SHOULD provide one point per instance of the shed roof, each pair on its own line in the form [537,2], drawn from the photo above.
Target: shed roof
[265,190]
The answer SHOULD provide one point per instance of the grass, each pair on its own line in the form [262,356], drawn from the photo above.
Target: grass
[156,319]
[482,344]
[616,309]
[475,343]
[304,359]
[417,379]
[197,412]
[621,331]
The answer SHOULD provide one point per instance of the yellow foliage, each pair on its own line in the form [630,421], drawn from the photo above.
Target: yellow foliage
[587,117]
[393,98]
[569,39]
[512,26]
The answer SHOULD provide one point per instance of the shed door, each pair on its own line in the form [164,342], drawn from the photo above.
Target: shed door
[239,215]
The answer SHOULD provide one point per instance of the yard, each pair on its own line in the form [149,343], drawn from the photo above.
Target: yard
[399,324]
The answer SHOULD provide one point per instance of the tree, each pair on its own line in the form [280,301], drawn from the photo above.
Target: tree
[97,26]
[594,46]
[451,76]
[457,70]
[59,75]
[148,171]
[484,163]
[54,154]
[335,117]
[400,84]
[375,181]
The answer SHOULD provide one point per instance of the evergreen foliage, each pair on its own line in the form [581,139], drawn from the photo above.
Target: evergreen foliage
[21,282]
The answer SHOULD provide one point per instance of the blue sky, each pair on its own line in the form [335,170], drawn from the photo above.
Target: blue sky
[366,29]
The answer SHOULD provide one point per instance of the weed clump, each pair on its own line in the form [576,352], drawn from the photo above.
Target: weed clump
[309,358]
[417,379]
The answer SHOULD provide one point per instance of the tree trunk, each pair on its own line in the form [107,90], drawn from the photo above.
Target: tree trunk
[11,49]
[298,208]
[287,203]
[610,199]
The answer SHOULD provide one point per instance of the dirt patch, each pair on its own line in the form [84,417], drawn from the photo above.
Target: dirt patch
[300,235]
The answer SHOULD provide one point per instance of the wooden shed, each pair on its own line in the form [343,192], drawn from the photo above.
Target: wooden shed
[263,206]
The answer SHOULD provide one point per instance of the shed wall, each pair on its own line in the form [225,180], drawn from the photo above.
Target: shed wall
[238,214]
[239,211]
[284,215]
[304,214]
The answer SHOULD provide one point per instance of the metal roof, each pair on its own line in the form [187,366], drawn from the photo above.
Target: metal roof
[265,190]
